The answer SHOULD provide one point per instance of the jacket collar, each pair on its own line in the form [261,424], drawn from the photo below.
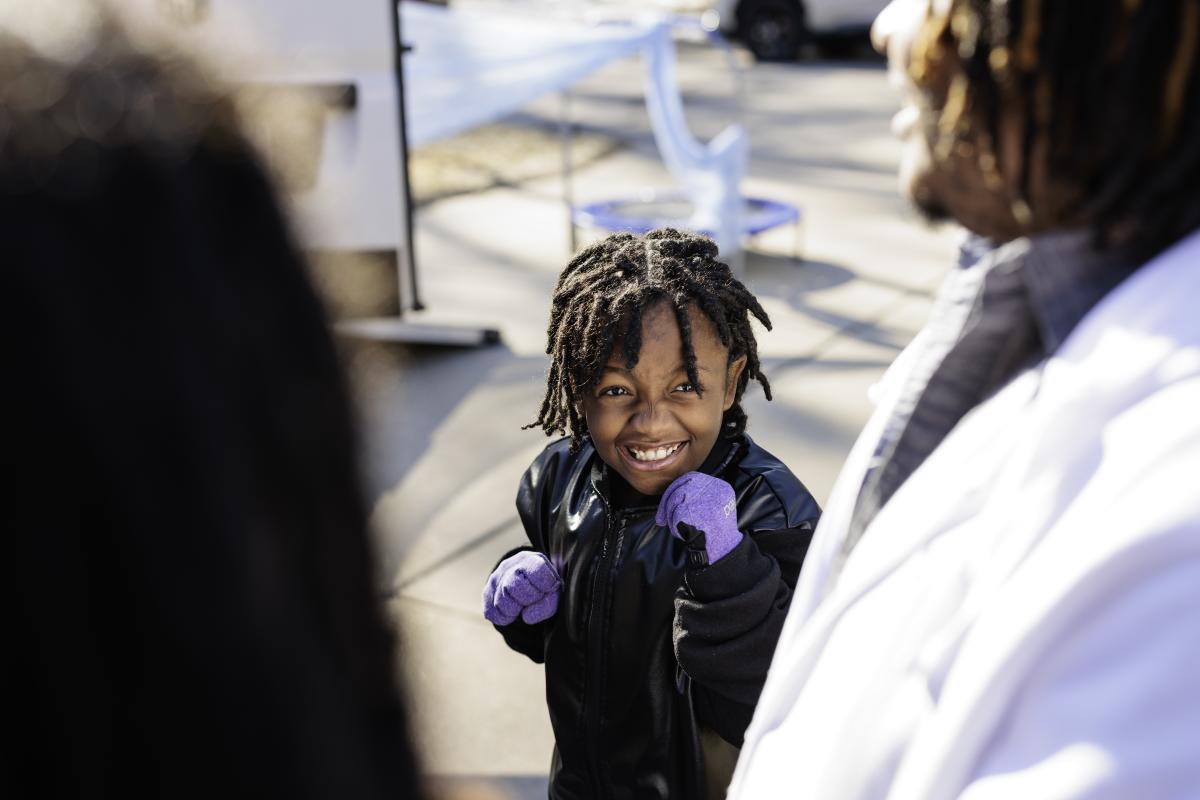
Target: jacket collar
[1064,274]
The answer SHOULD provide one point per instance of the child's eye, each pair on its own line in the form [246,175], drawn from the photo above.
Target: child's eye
[613,391]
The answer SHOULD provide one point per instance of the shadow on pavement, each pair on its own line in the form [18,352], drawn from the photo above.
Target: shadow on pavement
[405,392]
[772,273]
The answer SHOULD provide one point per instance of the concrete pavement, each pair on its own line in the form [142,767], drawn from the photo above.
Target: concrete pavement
[444,444]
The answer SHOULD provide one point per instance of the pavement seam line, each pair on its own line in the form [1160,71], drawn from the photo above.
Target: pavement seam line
[452,556]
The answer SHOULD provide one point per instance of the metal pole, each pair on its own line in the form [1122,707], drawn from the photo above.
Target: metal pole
[408,253]
[564,128]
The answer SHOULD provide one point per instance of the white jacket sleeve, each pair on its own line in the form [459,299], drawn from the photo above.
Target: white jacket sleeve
[1113,711]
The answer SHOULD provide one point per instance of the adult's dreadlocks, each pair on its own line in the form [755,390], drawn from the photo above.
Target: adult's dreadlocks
[600,298]
[1107,93]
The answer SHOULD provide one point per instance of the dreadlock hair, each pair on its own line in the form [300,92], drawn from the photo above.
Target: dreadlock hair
[600,298]
[1109,95]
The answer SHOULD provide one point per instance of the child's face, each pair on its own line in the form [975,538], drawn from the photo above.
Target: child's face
[649,423]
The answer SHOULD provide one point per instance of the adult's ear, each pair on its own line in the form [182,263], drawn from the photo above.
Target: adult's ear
[732,375]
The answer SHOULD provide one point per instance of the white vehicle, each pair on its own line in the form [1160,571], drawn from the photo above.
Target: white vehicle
[774,30]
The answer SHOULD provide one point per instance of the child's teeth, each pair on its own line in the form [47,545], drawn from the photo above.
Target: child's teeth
[654,455]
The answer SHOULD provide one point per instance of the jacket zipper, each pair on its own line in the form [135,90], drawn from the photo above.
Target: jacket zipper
[602,580]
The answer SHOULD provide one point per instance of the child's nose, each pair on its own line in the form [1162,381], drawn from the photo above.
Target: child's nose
[650,418]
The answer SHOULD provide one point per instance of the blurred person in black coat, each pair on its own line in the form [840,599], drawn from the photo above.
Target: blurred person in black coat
[187,575]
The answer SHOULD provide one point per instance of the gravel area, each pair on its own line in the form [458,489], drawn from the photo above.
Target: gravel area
[502,154]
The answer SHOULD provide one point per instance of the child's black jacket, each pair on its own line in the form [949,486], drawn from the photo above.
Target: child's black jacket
[645,648]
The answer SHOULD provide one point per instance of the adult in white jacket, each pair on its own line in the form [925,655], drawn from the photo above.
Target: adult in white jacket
[1003,597]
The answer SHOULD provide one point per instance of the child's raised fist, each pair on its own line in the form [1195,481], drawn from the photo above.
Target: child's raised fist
[702,511]
[524,585]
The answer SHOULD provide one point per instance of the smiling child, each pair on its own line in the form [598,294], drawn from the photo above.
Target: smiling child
[664,543]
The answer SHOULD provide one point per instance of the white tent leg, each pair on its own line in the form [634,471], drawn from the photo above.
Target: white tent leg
[398,329]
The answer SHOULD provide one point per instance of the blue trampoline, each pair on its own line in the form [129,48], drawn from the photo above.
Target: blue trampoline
[650,211]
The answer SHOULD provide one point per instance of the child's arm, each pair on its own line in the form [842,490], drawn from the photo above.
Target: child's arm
[520,597]
[728,617]
[733,602]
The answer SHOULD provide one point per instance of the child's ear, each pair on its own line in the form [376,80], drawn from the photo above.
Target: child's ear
[732,376]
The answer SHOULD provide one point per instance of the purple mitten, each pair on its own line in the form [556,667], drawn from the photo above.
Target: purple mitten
[702,511]
[524,585]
